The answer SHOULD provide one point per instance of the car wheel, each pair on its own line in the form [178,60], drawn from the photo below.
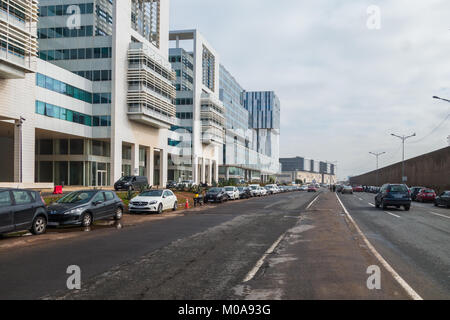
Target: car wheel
[86,220]
[436,205]
[175,206]
[39,225]
[119,213]
[160,208]
[407,208]
[377,205]
[384,206]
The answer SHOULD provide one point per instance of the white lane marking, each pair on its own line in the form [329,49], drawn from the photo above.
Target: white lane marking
[410,291]
[440,215]
[360,199]
[260,262]
[312,202]
[394,215]
[371,204]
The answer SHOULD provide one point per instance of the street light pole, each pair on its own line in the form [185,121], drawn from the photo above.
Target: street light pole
[377,155]
[403,138]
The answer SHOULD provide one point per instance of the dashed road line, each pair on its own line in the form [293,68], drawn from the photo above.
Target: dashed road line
[440,215]
[390,213]
[410,291]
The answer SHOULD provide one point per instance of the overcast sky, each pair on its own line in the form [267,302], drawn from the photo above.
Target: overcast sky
[344,88]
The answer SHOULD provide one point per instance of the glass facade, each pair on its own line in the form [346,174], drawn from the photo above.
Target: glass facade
[49,83]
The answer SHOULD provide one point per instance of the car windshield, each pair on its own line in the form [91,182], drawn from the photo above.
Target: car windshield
[253,187]
[127,178]
[398,188]
[241,189]
[215,190]
[151,193]
[429,191]
[77,197]
[229,188]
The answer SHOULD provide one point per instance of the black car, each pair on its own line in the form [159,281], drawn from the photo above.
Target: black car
[216,195]
[415,191]
[244,193]
[443,199]
[131,183]
[171,184]
[85,207]
[394,195]
[22,210]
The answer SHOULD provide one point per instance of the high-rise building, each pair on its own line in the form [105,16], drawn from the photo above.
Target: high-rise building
[241,159]
[101,103]
[199,131]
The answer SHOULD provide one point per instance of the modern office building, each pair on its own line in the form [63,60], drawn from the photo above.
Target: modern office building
[240,157]
[264,109]
[299,169]
[199,131]
[98,104]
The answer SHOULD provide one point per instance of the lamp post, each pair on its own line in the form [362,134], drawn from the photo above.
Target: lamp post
[403,138]
[377,155]
[446,100]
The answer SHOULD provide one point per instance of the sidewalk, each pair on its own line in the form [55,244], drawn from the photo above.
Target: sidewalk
[322,257]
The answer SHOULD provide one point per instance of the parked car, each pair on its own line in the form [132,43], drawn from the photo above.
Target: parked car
[312,188]
[272,189]
[22,210]
[269,189]
[255,190]
[358,189]
[154,201]
[263,191]
[443,199]
[131,183]
[232,192]
[187,183]
[415,191]
[347,189]
[216,195]
[171,184]
[244,192]
[84,207]
[304,188]
[394,195]
[426,195]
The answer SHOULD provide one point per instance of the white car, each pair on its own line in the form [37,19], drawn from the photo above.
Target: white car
[255,190]
[232,192]
[263,191]
[154,201]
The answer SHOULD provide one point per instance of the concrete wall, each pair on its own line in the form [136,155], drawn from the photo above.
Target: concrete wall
[429,170]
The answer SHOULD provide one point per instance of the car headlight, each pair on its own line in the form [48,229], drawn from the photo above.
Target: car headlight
[153,202]
[74,211]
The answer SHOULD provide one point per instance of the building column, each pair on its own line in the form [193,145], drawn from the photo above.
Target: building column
[135,159]
[163,166]
[216,171]
[150,165]
[203,179]
[24,152]
[210,172]
[227,173]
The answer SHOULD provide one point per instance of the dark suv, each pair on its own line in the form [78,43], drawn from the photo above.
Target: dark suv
[22,210]
[131,183]
[394,195]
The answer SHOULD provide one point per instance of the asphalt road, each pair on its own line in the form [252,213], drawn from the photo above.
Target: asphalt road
[288,246]
[415,243]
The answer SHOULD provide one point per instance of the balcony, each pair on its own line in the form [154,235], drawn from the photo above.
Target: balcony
[148,116]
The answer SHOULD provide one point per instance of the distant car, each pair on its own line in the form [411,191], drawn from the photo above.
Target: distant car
[154,201]
[131,183]
[84,207]
[255,190]
[232,192]
[312,188]
[244,193]
[269,189]
[358,189]
[347,189]
[22,210]
[304,188]
[187,183]
[426,195]
[171,184]
[216,195]
[393,195]
[415,191]
[443,199]
[263,191]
